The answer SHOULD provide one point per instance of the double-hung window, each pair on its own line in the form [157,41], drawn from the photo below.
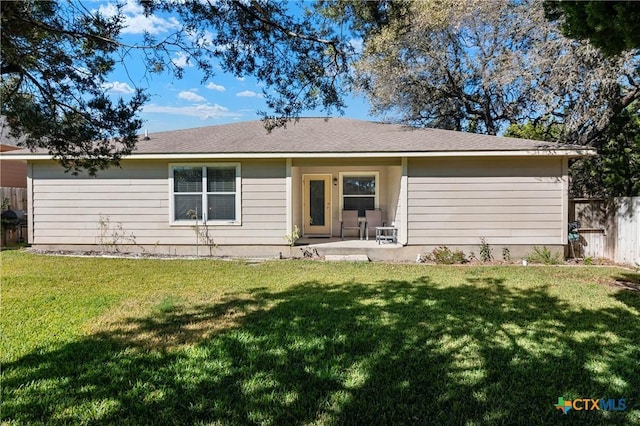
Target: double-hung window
[206,192]
[359,191]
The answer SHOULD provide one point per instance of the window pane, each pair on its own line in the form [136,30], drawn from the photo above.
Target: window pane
[359,185]
[221,207]
[221,179]
[316,202]
[187,179]
[185,206]
[359,203]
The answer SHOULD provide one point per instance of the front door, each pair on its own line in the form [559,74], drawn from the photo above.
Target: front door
[317,204]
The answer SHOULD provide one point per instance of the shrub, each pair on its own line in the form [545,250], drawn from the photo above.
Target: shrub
[444,256]
[506,255]
[543,255]
[485,251]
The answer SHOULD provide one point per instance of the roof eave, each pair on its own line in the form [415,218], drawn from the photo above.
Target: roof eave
[571,153]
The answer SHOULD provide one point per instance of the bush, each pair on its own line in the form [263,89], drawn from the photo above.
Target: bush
[444,256]
[485,251]
[543,255]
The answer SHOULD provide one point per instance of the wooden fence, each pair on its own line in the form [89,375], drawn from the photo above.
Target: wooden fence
[609,229]
[17,198]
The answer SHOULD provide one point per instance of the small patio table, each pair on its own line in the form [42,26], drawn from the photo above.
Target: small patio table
[386,233]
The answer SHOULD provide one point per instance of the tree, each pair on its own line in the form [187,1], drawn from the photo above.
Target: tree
[56,56]
[480,66]
[615,171]
[54,63]
[612,26]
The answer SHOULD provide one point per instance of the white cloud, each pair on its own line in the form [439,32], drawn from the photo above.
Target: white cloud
[118,87]
[136,23]
[204,111]
[357,44]
[190,95]
[216,87]
[181,60]
[248,94]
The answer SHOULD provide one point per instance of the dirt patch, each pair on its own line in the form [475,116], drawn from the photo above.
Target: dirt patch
[626,281]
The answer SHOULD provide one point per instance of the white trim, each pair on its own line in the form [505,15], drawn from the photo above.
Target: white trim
[289,197]
[30,208]
[403,238]
[565,201]
[376,176]
[330,176]
[238,195]
[367,154]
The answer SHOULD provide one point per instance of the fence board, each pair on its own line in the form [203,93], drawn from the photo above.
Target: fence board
[609,228]
[628,230]
[17,198]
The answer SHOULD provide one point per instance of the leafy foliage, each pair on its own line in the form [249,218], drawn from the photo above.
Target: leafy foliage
[56,56]
[544,256]
[54,62]
[612,26]
[615,172]
[298,57]
[485,251]
[443,255]
[481,66]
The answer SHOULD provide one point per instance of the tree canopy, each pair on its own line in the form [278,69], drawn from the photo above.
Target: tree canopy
[612,26]
[481,66]
[56,56]
[54,63]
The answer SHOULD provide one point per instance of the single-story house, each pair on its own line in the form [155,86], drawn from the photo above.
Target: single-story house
[252,188]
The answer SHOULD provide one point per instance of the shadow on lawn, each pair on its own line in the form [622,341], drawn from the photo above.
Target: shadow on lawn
[395,352]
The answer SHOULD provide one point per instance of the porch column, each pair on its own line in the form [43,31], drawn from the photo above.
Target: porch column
[30,207]
[289,197]
[565,201]
[404,200]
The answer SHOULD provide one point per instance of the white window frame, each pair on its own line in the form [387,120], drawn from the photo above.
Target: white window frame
[191,222]
[376,176]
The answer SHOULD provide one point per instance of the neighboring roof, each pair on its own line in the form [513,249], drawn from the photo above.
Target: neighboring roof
[7,142]
[324,137]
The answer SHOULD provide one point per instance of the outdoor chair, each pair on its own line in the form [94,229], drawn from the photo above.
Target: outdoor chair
[350,221]
[373,220]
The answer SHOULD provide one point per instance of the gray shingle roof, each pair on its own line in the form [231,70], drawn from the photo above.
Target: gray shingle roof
[333,135]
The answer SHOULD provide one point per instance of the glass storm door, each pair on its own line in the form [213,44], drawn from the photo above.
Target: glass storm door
[317,204]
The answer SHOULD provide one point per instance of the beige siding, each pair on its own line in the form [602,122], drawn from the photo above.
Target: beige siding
[133,203]
[506,201]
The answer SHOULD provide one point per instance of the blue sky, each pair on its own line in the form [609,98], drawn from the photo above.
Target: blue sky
[188,102]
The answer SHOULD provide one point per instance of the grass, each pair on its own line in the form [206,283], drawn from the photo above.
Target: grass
[105,341]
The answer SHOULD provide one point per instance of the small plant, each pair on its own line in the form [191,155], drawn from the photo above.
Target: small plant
[506,255]
[588,261]
[309,253]
[293,236]
[443,255]
[203,233]
[485,251]
[111,236]
[544,255]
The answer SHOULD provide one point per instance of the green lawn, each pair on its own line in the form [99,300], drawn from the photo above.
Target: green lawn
[126,341]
